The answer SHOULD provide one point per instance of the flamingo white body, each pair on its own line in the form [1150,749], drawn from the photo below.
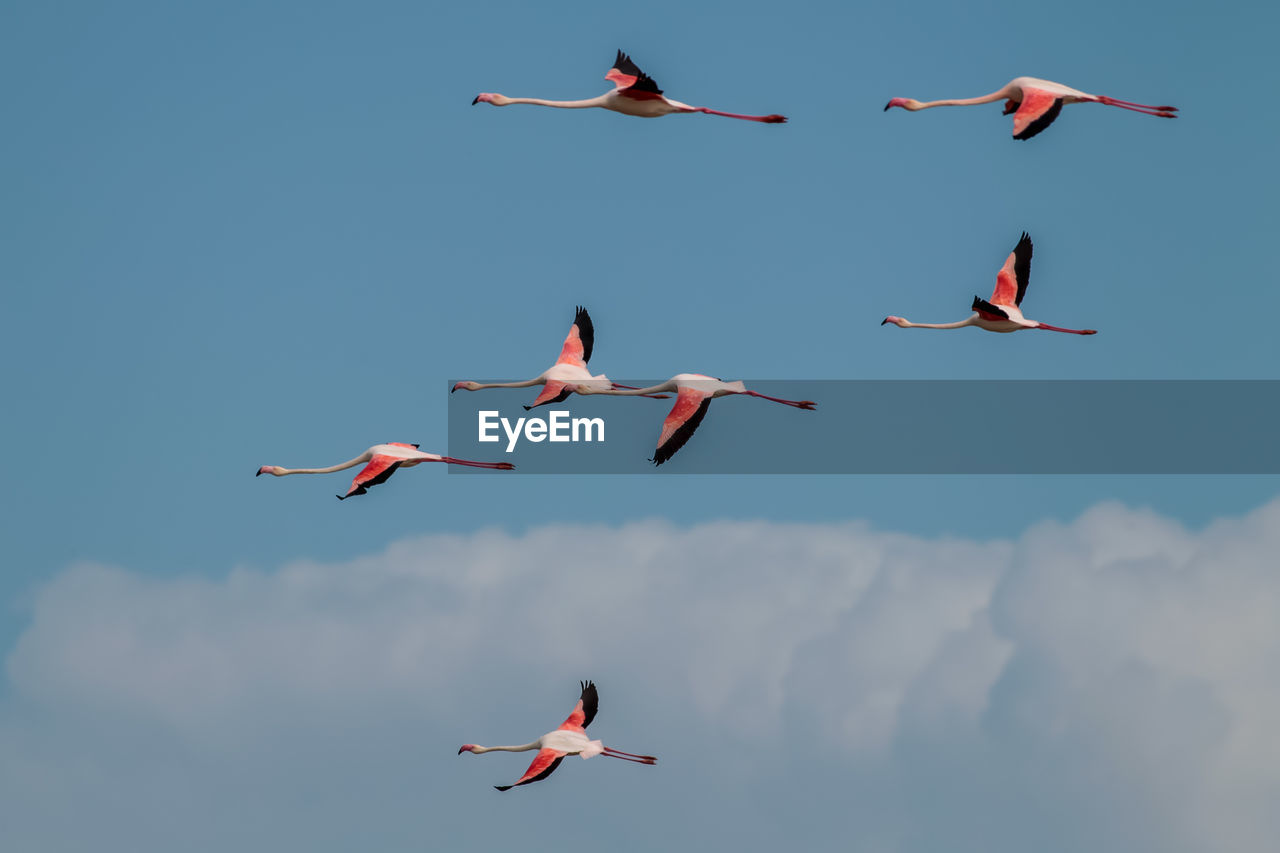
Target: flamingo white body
[1035,103]
[1002,313]
[382,461]
[569,739]
[569,372]
[694,393]
[635,94]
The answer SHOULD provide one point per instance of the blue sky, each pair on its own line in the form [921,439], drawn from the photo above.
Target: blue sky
[233,235]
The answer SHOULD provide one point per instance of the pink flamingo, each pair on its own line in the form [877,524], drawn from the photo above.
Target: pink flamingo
[636,94]
[694,393]
[558,380]
[1002,313]
[569,739]
[1035,104]
[383,461]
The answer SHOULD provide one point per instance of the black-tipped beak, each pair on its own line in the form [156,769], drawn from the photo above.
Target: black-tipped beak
[885,320]
[454,388]
[886,106]
[476,101]
[258,473]
[461,750]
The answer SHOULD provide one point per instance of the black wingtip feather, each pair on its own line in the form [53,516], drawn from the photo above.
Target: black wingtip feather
[590,702]
[985,307]
[586,331]
[1022,265]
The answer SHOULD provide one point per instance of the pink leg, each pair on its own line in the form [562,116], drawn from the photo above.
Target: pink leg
[1150,111]
[632,760]
[1049,328]
[769,119]
[502,466]
[629,754]
[1107,100]
[799,404]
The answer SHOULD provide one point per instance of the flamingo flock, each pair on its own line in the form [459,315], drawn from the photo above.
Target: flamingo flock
[1034,104]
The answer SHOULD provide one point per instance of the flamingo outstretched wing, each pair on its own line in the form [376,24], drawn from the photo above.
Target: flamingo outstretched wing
[1037,111]
[544,764]
[577,346]
[1011,281]
[626,76]
[379,469]
[552,392]
[690,408]
[585,711]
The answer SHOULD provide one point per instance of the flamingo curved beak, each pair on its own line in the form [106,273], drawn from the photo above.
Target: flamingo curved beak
[476,101]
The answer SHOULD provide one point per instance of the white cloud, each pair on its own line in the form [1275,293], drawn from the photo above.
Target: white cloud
[1119,669]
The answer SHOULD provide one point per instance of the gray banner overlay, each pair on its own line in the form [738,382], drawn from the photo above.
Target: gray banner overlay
[898,427]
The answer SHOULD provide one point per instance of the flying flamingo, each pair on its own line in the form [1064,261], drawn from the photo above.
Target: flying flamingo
[636,94]
[694,393]
[558,380]
[383,461]
[1001,314]
[569,739]
[1035,104]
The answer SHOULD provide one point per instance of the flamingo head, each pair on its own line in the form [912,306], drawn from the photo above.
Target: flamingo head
[466,747]
[897,321]
[1010,106]
[466,386]
[905,103]
[274,470]
[491,98]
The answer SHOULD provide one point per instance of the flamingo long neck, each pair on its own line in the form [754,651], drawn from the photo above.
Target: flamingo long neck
[537,380]
[1000,95]
[363,457]
[522,748]
[969,321]
[624,391]
[564,105]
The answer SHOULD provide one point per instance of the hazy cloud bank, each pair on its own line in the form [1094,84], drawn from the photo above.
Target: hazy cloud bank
[1111,682]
